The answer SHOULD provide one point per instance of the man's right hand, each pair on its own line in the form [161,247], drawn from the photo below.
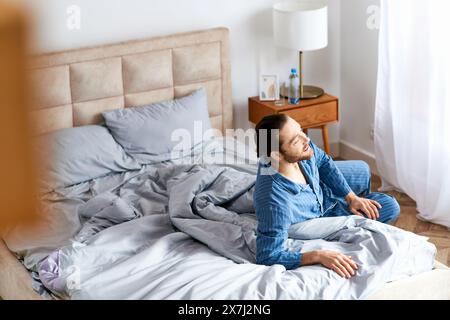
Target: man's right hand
[336,261]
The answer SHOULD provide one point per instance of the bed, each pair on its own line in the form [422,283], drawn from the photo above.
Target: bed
[77,86]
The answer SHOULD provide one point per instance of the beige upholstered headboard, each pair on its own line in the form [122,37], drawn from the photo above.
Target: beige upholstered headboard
[74,87]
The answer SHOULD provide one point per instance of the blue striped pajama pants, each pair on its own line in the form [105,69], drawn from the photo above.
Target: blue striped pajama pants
[358,176]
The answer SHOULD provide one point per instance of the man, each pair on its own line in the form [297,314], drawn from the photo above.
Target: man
[296,182]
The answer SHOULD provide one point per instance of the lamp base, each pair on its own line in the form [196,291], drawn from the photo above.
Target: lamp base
[309,92]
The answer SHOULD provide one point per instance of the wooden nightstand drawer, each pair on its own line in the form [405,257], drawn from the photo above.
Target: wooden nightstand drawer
[312,116]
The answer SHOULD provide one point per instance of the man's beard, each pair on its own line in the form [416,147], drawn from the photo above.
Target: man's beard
[297,158]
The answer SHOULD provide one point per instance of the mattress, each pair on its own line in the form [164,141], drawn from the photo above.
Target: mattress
[428,285]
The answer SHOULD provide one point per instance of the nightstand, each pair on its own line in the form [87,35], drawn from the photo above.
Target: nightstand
[311,114]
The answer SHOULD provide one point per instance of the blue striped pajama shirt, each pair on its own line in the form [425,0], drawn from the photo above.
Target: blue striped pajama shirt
[280,202]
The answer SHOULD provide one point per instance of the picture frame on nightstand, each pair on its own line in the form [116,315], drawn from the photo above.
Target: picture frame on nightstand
[269,88]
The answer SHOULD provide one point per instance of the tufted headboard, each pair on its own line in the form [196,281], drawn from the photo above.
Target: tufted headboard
[73,87]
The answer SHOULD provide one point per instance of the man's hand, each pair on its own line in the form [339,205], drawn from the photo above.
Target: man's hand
[341,264]
[368,207]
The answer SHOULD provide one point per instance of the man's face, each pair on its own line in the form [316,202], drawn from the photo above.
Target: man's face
[294,143]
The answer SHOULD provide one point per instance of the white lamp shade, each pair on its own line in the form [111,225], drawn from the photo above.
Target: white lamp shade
[301,25]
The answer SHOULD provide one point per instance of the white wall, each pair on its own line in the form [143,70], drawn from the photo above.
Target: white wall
[359,61]
[250,23]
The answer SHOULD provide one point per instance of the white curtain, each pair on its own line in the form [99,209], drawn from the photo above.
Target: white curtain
[412,120]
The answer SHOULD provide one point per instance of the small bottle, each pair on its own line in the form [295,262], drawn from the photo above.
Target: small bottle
[294,87]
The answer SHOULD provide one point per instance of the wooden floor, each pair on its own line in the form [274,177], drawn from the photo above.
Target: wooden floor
[439,235]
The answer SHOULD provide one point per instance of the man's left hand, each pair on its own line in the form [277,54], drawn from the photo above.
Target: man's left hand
[358,205]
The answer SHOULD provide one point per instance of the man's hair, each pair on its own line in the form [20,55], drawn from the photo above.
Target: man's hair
[266,133]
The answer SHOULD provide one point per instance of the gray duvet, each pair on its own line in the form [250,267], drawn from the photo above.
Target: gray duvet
[176,231]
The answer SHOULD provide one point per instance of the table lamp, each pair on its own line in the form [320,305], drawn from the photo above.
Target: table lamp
[302,26]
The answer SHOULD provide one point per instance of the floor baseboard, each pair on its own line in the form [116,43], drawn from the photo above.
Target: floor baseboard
[349,151]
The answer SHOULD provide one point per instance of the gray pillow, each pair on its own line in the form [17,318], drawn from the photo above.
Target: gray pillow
[74,155]
[164,130]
